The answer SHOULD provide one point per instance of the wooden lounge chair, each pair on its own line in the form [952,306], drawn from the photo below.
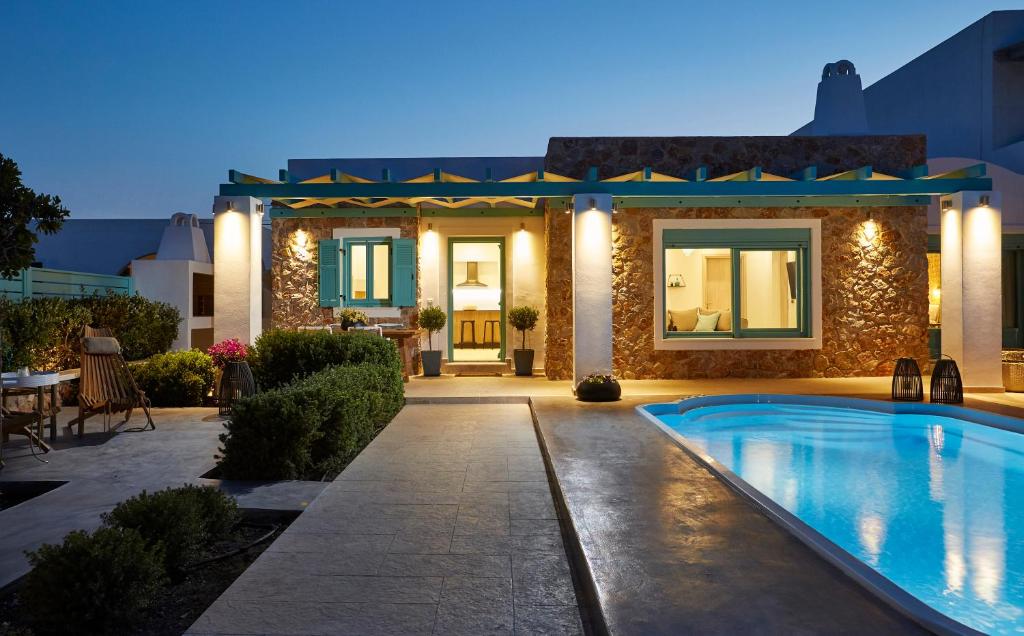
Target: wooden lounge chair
[106,386]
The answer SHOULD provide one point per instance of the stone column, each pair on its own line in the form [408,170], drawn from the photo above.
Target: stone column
[592,284]
[237,268]
[972,317]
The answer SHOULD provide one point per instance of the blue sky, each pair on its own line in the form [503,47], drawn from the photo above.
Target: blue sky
[138,109]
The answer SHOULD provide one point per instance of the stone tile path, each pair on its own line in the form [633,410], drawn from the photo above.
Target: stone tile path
[443,525]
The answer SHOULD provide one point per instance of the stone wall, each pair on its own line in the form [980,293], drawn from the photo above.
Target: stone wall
[294,270]
[874,302]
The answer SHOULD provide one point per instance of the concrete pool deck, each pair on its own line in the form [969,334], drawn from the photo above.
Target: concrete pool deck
[670,548]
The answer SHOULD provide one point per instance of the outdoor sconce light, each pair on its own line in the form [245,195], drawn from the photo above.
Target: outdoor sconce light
[946,205]
[229,206]
[522,226]
[300,244]
[593,205]
[430,227]
[259,209]
[615,209]
[983,200]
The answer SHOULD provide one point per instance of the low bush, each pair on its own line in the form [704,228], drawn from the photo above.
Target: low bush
[180,521]
[279,356]
[313,426]
[92,583]
[143,327]
[176,378]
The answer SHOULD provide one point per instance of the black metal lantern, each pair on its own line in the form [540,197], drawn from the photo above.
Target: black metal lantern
[907,385]
[947,387]
[235,382]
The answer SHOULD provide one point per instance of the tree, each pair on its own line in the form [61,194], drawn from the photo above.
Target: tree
[23,214]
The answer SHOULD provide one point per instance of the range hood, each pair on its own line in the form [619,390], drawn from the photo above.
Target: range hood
[471,276]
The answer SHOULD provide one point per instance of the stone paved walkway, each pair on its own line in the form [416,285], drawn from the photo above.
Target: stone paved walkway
[444,524]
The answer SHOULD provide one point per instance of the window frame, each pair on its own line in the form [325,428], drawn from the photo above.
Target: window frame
[346,287]
[743,235]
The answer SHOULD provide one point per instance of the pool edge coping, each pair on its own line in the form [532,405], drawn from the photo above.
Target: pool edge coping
[867,577]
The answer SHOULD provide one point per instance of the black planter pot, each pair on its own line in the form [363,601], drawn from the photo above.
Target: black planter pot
[431,363]
[523,359]
[605,391]
[235,382]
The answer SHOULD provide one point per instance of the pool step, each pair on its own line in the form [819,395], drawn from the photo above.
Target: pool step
[476,368]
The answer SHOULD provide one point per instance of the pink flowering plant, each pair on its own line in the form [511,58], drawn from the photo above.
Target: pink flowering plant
[228,351]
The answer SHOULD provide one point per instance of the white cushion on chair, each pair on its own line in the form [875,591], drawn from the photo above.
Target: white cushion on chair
[96,345]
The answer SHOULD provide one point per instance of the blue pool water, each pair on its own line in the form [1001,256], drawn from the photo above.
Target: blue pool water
[933,503]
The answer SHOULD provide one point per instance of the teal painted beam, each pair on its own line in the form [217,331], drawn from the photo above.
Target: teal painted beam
[967,172]
[765,202]
[916,172]
[729,189]
[316,213]
[700,173]
[282,176]
[592,173]
[810,173]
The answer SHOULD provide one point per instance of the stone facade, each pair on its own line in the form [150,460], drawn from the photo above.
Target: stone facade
[294,269]
[874,293]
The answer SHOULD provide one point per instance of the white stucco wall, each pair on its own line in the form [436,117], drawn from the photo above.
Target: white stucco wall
[170,281]
[237,282]
[592,284]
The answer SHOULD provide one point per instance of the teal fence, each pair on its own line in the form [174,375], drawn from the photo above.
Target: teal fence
[38,282]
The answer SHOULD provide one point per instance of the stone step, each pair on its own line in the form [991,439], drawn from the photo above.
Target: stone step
[475,368]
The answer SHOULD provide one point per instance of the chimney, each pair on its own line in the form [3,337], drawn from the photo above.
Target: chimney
[839,109]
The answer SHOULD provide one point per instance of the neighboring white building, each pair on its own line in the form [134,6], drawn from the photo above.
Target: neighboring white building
[967,95]
[181,274]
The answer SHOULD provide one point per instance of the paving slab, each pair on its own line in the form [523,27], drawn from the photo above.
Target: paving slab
[101,470]
[444,524]
[671,549]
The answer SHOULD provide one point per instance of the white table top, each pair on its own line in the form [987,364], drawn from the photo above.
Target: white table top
[34,381]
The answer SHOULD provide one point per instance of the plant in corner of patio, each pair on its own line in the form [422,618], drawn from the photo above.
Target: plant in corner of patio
[598,387]
[227,351]
[432,319]
[348,318]
[523,318]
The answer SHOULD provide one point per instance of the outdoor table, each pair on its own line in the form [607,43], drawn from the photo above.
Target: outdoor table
[400,336]
[36,385]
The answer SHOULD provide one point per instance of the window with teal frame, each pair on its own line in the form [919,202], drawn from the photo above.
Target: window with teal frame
[368,279]
[736,283]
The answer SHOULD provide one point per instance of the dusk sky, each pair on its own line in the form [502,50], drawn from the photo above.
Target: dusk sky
[138,109]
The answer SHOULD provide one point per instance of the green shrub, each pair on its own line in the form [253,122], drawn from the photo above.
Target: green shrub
[315,425]
[279,356]
[178,520]
[92,583]
[143,327]
[43,333]
[176,378]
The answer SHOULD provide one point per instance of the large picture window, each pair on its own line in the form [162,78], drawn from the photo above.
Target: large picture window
[367,272]
[736,283]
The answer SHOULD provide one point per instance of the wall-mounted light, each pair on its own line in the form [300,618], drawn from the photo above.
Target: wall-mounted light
[430,227]
[946,205]
[300,245]
[522,226]
[615,209]
[593,205]
[869,231]
[984,200]
[259,208]
[229,206]
[569,209]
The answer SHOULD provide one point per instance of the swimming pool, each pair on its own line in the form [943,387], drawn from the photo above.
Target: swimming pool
[927,497]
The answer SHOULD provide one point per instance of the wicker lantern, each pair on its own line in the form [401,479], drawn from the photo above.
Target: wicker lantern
[906,381]
[947,387]
[236,382]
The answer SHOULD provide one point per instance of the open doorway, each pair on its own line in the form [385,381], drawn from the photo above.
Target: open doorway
[476,299]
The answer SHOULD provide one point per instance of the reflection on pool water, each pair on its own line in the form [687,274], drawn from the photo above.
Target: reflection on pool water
[933,503]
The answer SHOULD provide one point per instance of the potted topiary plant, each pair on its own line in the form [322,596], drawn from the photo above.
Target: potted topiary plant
[598,387]
[523,318]
[348,318]
[432,319]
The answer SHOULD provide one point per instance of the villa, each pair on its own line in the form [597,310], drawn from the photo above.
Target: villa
[670,257]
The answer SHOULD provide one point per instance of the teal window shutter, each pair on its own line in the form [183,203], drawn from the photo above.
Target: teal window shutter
[403,272]
[330,272]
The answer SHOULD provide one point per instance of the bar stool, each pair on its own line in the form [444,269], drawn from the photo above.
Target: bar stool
[494,326]
[472,332]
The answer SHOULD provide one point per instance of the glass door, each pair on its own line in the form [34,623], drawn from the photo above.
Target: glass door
[476,299]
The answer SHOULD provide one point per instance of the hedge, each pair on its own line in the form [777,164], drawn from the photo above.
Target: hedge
[44,332]
[279,356]
[176,378]
[313,426]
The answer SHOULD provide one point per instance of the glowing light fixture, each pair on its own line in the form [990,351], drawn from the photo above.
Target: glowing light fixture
[522,226]
[984,200]
[946,205]
[593,205]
